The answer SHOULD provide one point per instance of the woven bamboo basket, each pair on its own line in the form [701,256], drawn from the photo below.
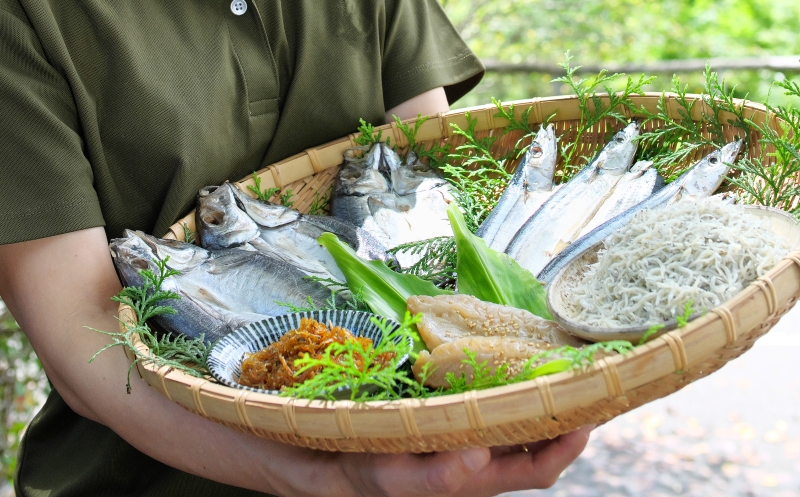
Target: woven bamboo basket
[534,410]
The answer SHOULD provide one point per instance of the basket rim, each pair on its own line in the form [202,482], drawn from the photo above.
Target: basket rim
[727,330]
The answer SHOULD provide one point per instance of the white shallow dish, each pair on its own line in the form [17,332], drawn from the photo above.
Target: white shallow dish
[225,359]
[559,291]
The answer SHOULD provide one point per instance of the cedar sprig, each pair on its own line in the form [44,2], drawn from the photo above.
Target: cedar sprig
[367,135]
[438,259]
[188,234]
[771,179]
[144,299]
[593,110]
[321,203]
[265,194]
[479,179]
[671,144]
[189,355]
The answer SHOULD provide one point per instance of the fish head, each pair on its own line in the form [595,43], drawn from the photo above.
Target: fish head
[182,256]
[540,160]
[137,251]
[617,155]
[360,173]
[221,218]
[264,213]
[704,178]
[413,175]
[390,160]
[131,256]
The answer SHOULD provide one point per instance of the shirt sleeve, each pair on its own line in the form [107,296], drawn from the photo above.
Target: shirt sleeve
[422,50]
[46,179]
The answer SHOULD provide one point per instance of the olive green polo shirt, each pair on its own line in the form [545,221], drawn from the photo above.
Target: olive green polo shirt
[115,113]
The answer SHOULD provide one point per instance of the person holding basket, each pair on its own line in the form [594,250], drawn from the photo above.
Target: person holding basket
[114,115]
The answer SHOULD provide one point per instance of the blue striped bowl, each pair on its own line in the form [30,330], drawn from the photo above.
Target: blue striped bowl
[225,359]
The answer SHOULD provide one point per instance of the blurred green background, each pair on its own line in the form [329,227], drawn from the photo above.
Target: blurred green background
[596,33]
[614,32]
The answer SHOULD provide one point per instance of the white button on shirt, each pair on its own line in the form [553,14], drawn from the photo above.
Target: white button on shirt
[238,7]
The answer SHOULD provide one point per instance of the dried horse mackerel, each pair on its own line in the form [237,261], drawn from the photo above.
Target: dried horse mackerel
[227,217]
[220,290]
[396,201]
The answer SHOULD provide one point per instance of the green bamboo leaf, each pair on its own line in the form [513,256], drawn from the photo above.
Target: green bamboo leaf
[493,276]
[385,291]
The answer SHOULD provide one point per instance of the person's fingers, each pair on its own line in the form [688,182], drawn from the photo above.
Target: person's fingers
[512,468]
[408,475]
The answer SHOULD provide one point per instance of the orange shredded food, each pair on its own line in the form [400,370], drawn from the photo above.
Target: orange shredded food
[272,368]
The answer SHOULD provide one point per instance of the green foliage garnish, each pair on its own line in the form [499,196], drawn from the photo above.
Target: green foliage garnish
[286,198]
[373,382]
[319,206]
[264,195]
[593,110]
[650,332]
[367,135]
[144,300]
[682,321]
[188,235]
[384,290]
[179,352]
[437,263]
[493,276]
[410,133]
[479,179]
[771,178]
[675,140]
[564,359]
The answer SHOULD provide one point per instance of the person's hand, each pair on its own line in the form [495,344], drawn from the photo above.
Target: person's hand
[473,472]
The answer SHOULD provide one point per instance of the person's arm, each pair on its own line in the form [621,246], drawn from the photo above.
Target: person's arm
[57,286]
[429,103]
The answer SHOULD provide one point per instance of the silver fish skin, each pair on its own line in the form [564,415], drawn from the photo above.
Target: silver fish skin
[702,179]
[529,188]
[559,220]
[281,232]
[409,207]
[220,290]
[361,174]
[416,207]
[635,186]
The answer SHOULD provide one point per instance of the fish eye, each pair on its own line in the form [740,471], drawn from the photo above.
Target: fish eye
[139,263]
[619,139]
[713,160]
[351,175]
[420,168]
[213,218]
[536,151]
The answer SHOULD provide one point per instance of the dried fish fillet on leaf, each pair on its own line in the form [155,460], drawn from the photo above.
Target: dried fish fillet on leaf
[496,351]
[446,318]
[496,333]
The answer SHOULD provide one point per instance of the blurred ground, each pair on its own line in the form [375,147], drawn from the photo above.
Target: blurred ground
[735,433]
